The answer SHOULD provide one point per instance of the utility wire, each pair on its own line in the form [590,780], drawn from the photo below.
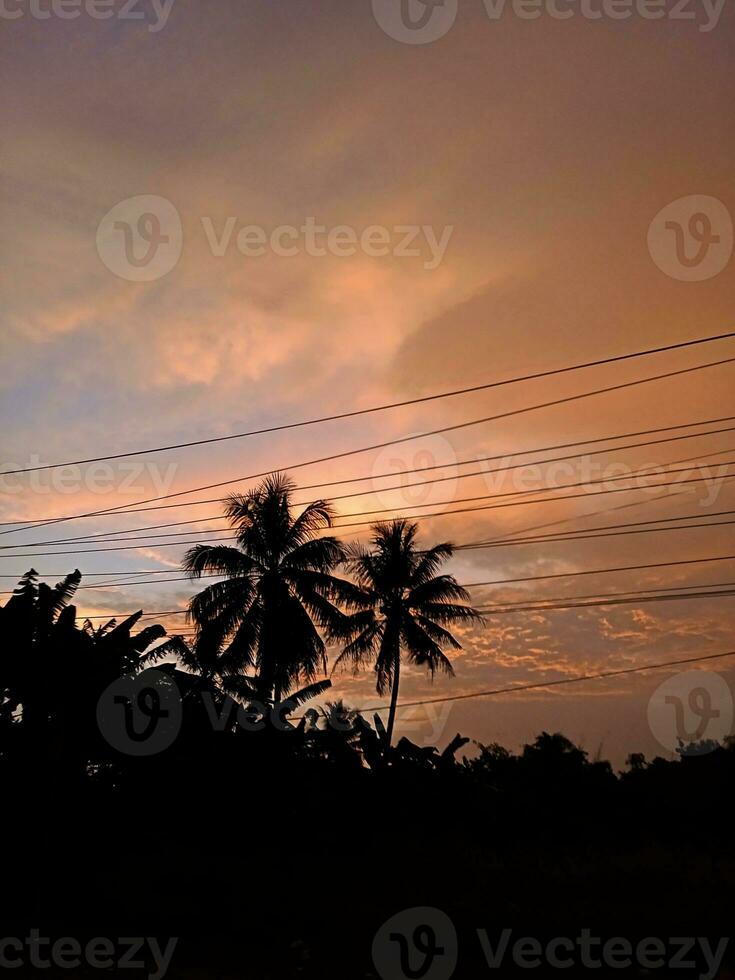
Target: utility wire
[391,442]
[112,535]
[541,685]
[512,581]
[551,539]
[624,598]
[625,594]
[498,543]
[554,683]
[483,545]
[146,542]
[422,469]
[493,611]
[376,408]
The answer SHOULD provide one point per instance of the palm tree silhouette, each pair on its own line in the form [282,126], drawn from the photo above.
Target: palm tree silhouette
[278,589]
[401,604]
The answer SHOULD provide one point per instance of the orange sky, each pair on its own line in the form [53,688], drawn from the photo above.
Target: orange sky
[547,146]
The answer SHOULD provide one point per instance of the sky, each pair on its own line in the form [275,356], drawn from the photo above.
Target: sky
[342,217]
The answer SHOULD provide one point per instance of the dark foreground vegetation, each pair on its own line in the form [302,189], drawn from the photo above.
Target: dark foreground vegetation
[274,839]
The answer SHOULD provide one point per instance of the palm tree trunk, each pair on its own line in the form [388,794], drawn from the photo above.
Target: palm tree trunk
[394,696]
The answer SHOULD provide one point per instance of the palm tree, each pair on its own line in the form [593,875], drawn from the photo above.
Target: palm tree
[401,606]
[278,589]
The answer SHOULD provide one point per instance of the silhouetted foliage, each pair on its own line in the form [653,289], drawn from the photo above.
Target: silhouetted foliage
[402,607]
[296,830]
[278,592]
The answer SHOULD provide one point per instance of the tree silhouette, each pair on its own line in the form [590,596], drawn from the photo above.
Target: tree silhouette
[278,591]
[211,670]
[401,606]
[52,673]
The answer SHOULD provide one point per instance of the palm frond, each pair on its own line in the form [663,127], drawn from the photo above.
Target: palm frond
[437,633]
[318,554]
[175,646]
[449,613]
[219,559]
[316,517]
[442,588]
[430,562]
[315,690]
[422,650]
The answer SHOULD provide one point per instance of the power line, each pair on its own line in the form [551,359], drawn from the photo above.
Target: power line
[541,539]
[659,594]
[120,571]
[422,469]
[553,539]
[137,582]
[113,535]
[512,581]
[376,408]
[499,544]
[391,442]
[554,683]
[572,535]
[509,536]
[627,593]
[602,571]
[564,486]
[492,611]
[147,543]
[541,685]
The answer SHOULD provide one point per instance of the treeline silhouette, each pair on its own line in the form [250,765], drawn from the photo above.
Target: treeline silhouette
[274,834]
